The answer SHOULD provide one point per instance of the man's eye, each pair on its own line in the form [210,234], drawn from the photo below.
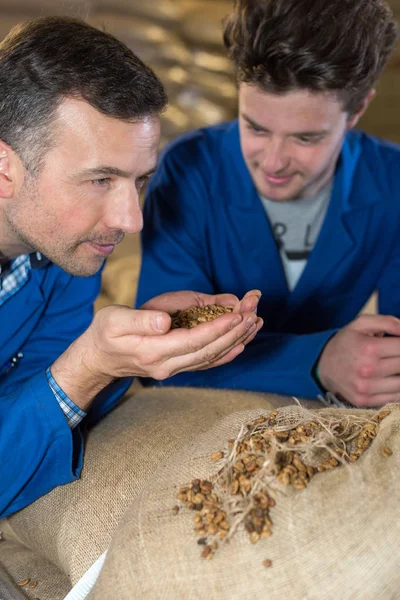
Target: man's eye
[306,139]
[255,129]
[101,182]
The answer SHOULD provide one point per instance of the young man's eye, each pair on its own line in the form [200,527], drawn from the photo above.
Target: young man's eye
[306,139]
[255,129]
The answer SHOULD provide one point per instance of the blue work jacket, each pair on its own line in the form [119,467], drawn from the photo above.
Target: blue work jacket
[205,229]
[38,450]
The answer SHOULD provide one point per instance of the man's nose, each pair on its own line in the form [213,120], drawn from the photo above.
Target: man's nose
[124,212]
[275,158]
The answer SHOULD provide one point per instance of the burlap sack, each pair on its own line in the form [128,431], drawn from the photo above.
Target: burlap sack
[74,524]
[18,564]
[337,539]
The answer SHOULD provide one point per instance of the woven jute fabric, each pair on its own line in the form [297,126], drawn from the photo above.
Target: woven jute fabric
[18,564]
[338,538]
[73,525]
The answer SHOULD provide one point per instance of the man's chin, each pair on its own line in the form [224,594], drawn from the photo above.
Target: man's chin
[283,193]
[82,268]
[278,195]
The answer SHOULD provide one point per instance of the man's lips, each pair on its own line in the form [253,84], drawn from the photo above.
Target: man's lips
[104,249]
[275,180]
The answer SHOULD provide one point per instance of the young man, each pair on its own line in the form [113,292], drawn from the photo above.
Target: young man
[291,201]
[79,134]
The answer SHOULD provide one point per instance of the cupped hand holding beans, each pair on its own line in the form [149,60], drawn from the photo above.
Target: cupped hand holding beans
[361,363]
[123,342]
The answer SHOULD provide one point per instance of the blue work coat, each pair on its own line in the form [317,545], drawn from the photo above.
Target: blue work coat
[38,450]
[205,229]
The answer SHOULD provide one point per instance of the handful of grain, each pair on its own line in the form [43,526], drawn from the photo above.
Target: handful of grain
[195,315]
[275,450]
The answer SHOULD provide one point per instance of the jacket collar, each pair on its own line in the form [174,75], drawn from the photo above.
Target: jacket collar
[347,213]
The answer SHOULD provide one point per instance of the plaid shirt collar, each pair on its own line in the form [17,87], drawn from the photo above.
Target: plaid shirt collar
[36,259]
[14,273]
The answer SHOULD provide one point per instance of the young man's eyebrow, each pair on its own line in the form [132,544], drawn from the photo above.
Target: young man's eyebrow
[253,123]
[314,133]
[298,133]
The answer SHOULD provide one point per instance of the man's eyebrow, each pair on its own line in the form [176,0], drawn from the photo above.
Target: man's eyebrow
[297,133]
[253,123]
[315,133]
[104,171]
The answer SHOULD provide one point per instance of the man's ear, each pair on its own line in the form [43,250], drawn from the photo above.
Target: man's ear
[7,183]
[355,117]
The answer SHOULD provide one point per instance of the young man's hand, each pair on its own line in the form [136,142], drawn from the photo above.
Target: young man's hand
[124,342]
[361,362]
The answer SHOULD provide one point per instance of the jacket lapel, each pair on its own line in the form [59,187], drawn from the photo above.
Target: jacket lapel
[253,230]
[343,228]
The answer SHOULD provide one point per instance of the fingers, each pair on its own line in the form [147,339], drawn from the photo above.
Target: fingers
[202,346]
[383,385]
[213,356]
[249,302]
[376,325]
[229,357]
[378,400]
[387,347]
[386,367]
[252,335]
[221,299]
[223,343]
[173,301]
[137,337]
[119,321]
[228,328]
[239,345]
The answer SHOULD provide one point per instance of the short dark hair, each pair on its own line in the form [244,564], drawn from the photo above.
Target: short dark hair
[46,60]
[318,45]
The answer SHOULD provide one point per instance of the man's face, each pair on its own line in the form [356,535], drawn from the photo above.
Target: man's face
[87,195]
[290,142]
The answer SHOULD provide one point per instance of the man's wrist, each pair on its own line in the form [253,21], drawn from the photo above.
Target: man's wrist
[79,381]
[72,412]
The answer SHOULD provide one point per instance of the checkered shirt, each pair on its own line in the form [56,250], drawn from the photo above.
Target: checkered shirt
[11,281]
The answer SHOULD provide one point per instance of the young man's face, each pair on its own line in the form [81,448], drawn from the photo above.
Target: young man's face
[291,142]
[87,195]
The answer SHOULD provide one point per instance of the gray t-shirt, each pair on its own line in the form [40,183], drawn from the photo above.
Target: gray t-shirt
[296,225]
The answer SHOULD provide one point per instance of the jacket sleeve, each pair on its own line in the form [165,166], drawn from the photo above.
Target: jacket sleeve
[389,283]
[38,449]
[175,258]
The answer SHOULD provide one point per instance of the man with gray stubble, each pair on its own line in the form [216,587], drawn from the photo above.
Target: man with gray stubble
[79,135]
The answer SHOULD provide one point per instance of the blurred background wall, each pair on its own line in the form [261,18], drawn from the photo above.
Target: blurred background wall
[182,41]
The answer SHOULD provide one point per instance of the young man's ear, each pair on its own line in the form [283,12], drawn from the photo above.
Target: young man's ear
[354,118]
[7,183]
